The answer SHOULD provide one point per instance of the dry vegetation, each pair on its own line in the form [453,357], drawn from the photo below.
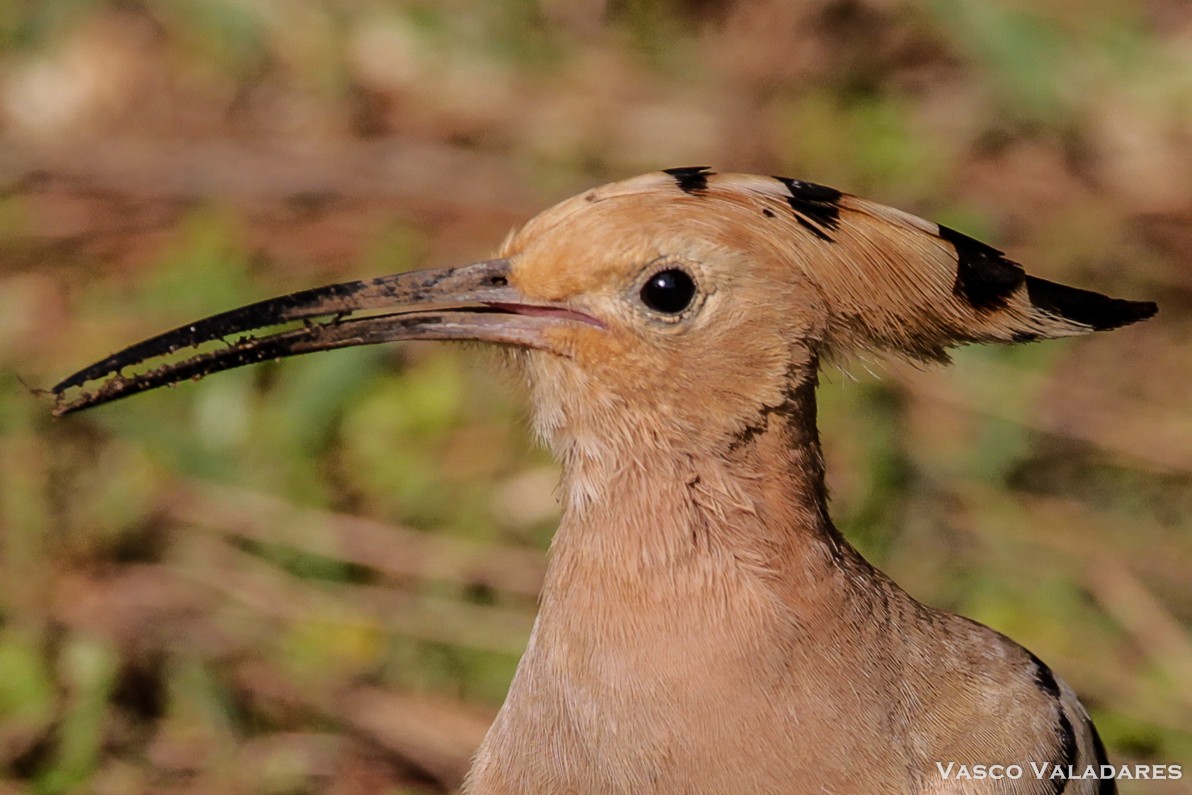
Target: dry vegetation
[317,576]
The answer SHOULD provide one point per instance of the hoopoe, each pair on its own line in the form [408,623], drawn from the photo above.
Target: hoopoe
[703,627]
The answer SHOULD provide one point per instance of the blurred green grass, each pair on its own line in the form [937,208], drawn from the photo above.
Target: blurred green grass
[316,576]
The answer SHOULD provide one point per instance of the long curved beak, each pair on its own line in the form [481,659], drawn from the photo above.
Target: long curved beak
[469,302]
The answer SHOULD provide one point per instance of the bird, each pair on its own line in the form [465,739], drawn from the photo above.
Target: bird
[703,627]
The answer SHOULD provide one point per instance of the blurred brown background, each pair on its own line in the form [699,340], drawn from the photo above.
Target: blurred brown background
[317,576]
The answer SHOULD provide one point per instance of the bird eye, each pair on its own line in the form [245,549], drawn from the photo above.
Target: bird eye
[669,291]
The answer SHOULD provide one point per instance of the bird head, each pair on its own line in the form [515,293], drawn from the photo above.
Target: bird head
[680,304]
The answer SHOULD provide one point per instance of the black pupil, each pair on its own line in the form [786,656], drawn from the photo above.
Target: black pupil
[668,291]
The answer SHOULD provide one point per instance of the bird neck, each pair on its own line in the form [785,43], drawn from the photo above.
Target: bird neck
[684,583]
[753,504]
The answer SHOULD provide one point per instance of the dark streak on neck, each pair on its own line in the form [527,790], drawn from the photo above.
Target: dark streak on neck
[792,424]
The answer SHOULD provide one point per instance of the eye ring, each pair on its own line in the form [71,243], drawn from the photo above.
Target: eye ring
[669,291]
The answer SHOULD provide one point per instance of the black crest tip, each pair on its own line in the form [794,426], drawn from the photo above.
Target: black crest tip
[816,207]
[1098,312]
[985,279]
[691,179]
